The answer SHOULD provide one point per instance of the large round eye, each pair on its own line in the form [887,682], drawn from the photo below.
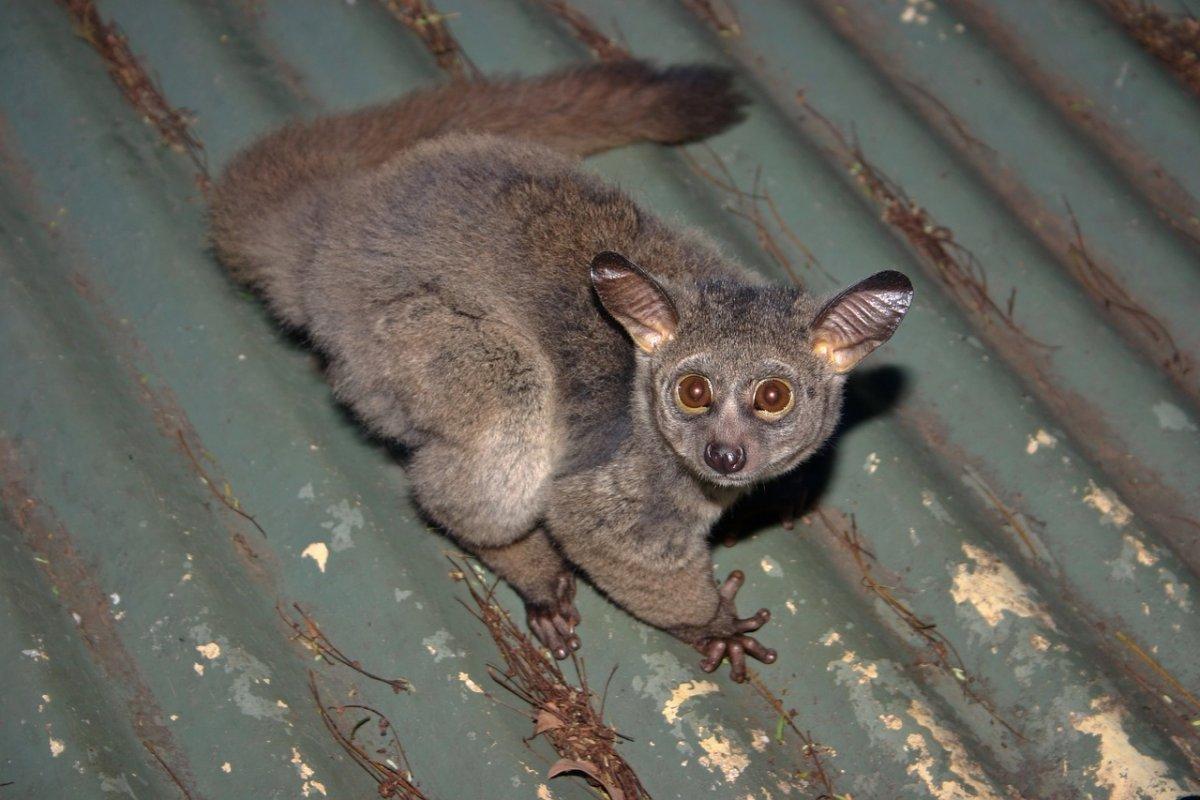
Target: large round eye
[772,398]
[694,394]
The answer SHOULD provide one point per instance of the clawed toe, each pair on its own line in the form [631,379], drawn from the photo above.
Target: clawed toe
[737,646]
[554,624]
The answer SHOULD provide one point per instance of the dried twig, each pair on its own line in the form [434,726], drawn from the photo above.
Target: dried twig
[583,29]
[723,20]
[1114,297]
[430,26]
[392,774]
[227,499]
[1160,671]
[808,746]
[1173,39]
[135,83]
[311,635]
[564,713]
[750,207]
[945,654]
[956,266]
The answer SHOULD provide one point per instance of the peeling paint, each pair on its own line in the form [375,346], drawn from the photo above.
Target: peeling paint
[248,672]
[1112,510]
[1172,418]
[771,567]
[346,520]
[936,509]
[210,650]
[318,552]
[227,768]
[57,747]
[971,783]
[993,589]
[684,692]
[438,645]
[831,638]
[306,492]
[759,740]
[543,792]
[1039,440]
[724,755]
[36,654]
[198,668]
[1122,768]
[470,684]
[308,784]
[872,464]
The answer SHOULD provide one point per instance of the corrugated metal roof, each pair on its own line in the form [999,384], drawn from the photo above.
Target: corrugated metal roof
[993,595]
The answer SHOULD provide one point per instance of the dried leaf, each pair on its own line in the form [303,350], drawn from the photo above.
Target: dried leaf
[547,720]
[569,765]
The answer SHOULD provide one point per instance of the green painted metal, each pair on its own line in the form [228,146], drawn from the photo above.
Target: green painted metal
[1038,505]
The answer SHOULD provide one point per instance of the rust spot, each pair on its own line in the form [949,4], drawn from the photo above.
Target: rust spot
[77,589]
[1173,39]
[136,85]
[429,25]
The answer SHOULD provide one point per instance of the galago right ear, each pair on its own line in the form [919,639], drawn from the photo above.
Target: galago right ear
[860,318]
[635,300]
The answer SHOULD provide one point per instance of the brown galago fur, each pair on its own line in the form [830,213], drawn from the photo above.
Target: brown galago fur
[578,385]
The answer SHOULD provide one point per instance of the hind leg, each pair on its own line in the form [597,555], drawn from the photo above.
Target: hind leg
[545,582]
[481,396]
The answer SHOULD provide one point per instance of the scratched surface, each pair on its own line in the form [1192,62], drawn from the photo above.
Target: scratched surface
[990,587]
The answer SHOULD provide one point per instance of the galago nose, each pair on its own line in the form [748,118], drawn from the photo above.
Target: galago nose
[724,458]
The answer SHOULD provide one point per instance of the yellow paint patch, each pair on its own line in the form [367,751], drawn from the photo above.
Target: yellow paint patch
[1112,510]
[1144,556]
[318,552]
[994,589]
[210,651]
[724,755]
[1039,440]
[1128,774]
[971,783]
[470,684]
[308,785]
[684,692]
[830,639]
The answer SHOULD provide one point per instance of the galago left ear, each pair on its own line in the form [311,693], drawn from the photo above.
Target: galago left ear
[860,318]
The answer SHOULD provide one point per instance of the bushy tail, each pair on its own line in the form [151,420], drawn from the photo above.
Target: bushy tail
[582,110]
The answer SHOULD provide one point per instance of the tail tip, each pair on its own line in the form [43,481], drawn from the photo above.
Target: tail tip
[701,100]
